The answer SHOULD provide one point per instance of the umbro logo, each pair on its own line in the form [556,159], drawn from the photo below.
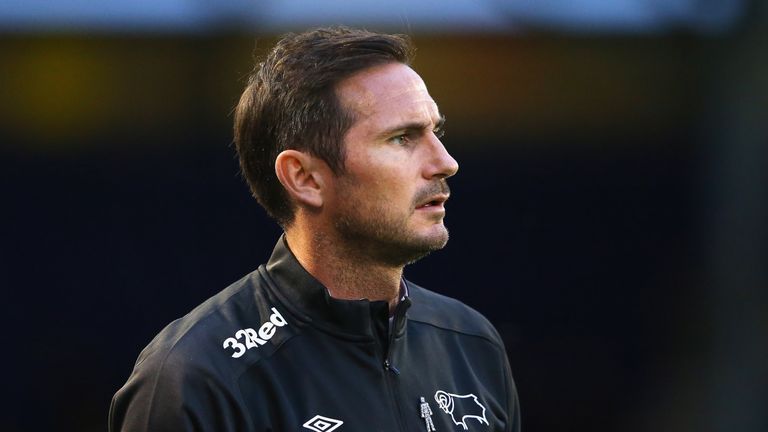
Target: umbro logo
[319,423]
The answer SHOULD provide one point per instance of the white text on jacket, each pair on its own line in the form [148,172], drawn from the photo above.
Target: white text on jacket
[252,338]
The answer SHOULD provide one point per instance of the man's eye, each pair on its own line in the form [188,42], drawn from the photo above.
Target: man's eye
[439,132]
[402,139]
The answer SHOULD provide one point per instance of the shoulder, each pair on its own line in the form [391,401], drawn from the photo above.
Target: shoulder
[195,342]
[437,310]
[187,367]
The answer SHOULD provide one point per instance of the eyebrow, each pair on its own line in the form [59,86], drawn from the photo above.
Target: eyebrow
[413,126]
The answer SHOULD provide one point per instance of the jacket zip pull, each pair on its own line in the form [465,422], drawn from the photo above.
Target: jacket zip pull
[390,367]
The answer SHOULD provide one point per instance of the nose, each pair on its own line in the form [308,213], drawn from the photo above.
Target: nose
[441,163]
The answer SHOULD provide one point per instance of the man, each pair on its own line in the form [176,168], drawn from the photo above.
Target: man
[339,141]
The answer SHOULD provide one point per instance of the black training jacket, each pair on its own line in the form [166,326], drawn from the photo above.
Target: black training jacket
[274,352]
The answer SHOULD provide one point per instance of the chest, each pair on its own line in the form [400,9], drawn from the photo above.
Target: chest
[424,381]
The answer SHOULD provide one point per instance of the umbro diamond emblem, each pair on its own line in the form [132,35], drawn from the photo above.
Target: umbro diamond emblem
[319,423]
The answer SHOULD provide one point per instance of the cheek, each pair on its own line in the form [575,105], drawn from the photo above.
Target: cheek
[393,187]
[385,176]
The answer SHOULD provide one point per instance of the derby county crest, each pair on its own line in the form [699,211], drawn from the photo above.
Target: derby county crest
[461,407]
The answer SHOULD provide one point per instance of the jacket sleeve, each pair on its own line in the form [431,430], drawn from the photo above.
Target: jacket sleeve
[171,395]
[513,403]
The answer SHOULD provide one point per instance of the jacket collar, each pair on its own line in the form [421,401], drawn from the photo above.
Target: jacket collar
[311,302]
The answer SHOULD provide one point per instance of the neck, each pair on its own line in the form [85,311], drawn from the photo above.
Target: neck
[346,273]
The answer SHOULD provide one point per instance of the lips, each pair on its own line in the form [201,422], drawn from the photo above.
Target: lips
[433,196]
[434,201]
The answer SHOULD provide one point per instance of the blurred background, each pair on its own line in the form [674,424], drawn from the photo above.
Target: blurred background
[609,216]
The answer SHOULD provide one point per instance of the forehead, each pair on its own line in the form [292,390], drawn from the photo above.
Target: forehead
[387,94]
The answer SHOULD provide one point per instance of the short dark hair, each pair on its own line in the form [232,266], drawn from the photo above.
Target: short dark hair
[290,102]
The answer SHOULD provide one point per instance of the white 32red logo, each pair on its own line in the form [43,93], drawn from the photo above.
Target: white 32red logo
[253,338]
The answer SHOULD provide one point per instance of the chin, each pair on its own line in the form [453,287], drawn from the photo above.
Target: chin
[434,234]
[423,245]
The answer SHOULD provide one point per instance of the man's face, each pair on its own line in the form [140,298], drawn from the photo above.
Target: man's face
[388,204]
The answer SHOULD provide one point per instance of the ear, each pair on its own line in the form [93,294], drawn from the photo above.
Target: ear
[302,177]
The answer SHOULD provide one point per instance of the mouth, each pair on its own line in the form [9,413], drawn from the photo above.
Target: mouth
[434,202]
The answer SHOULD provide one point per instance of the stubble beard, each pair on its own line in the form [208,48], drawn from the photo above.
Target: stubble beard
[376,233]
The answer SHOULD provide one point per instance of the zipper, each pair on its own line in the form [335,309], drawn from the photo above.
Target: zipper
[391,339]
[390,367]
[391,372]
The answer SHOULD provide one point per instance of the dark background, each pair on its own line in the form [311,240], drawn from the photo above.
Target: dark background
[608,216]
